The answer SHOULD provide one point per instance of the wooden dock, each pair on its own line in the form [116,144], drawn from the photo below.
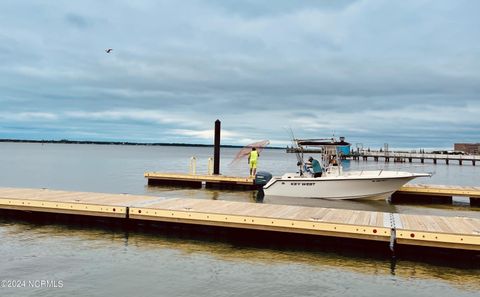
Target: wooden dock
[458,233]
[436,193]
[388,156]
[197,180]
[409,157]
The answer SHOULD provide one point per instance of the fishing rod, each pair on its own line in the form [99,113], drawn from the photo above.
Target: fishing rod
[297,150]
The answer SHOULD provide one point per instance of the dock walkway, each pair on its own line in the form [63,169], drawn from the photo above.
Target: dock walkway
[388,156]
[404,157]
[438,193]
[413,230]
[196,180]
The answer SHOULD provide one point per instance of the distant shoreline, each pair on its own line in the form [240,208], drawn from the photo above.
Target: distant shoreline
[65,141]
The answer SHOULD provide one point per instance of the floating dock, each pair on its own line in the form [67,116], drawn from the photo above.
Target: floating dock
[456,233]
[197,180]
[436,193]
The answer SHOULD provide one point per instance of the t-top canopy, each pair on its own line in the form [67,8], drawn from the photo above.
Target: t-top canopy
[321,142]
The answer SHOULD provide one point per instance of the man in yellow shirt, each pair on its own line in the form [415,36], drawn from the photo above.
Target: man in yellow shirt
[252,161]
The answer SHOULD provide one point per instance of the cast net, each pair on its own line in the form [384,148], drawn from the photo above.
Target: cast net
[245,151]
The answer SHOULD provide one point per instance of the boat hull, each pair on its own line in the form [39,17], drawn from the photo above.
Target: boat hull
[336,188]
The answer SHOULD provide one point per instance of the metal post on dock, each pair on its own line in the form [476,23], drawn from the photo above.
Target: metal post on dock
[193,165]
[216,149]
[210,166]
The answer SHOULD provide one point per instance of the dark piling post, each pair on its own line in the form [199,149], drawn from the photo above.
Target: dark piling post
[216,148]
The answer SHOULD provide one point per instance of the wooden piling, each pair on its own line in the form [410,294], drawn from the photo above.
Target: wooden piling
[216,149]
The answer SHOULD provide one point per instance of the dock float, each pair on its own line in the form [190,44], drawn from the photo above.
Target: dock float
[456,233]
[435,193]
[77,203]
[197,180]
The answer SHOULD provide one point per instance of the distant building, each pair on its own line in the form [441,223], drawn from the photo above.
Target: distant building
[469,148]
[344,147]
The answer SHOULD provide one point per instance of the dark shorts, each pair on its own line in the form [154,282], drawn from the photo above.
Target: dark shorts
[318,174]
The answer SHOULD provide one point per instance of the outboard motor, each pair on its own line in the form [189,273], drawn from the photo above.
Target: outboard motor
[262,178]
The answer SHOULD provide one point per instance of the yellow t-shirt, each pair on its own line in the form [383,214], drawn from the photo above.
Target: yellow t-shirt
[253,156]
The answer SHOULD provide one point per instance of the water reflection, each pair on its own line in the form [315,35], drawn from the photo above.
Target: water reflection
[259,196]
[139,245]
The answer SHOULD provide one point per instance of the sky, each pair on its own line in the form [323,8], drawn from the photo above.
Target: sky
[404,72]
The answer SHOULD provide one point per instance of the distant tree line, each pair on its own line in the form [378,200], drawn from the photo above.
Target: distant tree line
[66,141]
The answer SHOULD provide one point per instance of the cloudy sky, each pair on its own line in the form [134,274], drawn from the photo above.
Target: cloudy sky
[404,72]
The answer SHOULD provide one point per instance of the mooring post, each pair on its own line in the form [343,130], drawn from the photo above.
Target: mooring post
[193,165]
[210,166]
[216,149]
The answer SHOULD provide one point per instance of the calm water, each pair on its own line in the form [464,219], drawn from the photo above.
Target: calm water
[94,261]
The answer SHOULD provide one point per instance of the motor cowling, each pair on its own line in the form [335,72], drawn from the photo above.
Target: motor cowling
[262,178]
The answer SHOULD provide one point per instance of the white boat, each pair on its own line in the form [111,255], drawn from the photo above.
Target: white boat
[334,183]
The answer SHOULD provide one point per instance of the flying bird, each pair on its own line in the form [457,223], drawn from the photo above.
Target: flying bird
[109,50]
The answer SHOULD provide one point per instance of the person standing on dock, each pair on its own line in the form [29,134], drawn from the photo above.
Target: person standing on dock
[252,161]
[315,165]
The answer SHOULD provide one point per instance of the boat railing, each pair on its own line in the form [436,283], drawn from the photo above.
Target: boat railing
[380,172]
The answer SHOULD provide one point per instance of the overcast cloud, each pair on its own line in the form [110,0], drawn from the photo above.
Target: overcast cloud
[399,72]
